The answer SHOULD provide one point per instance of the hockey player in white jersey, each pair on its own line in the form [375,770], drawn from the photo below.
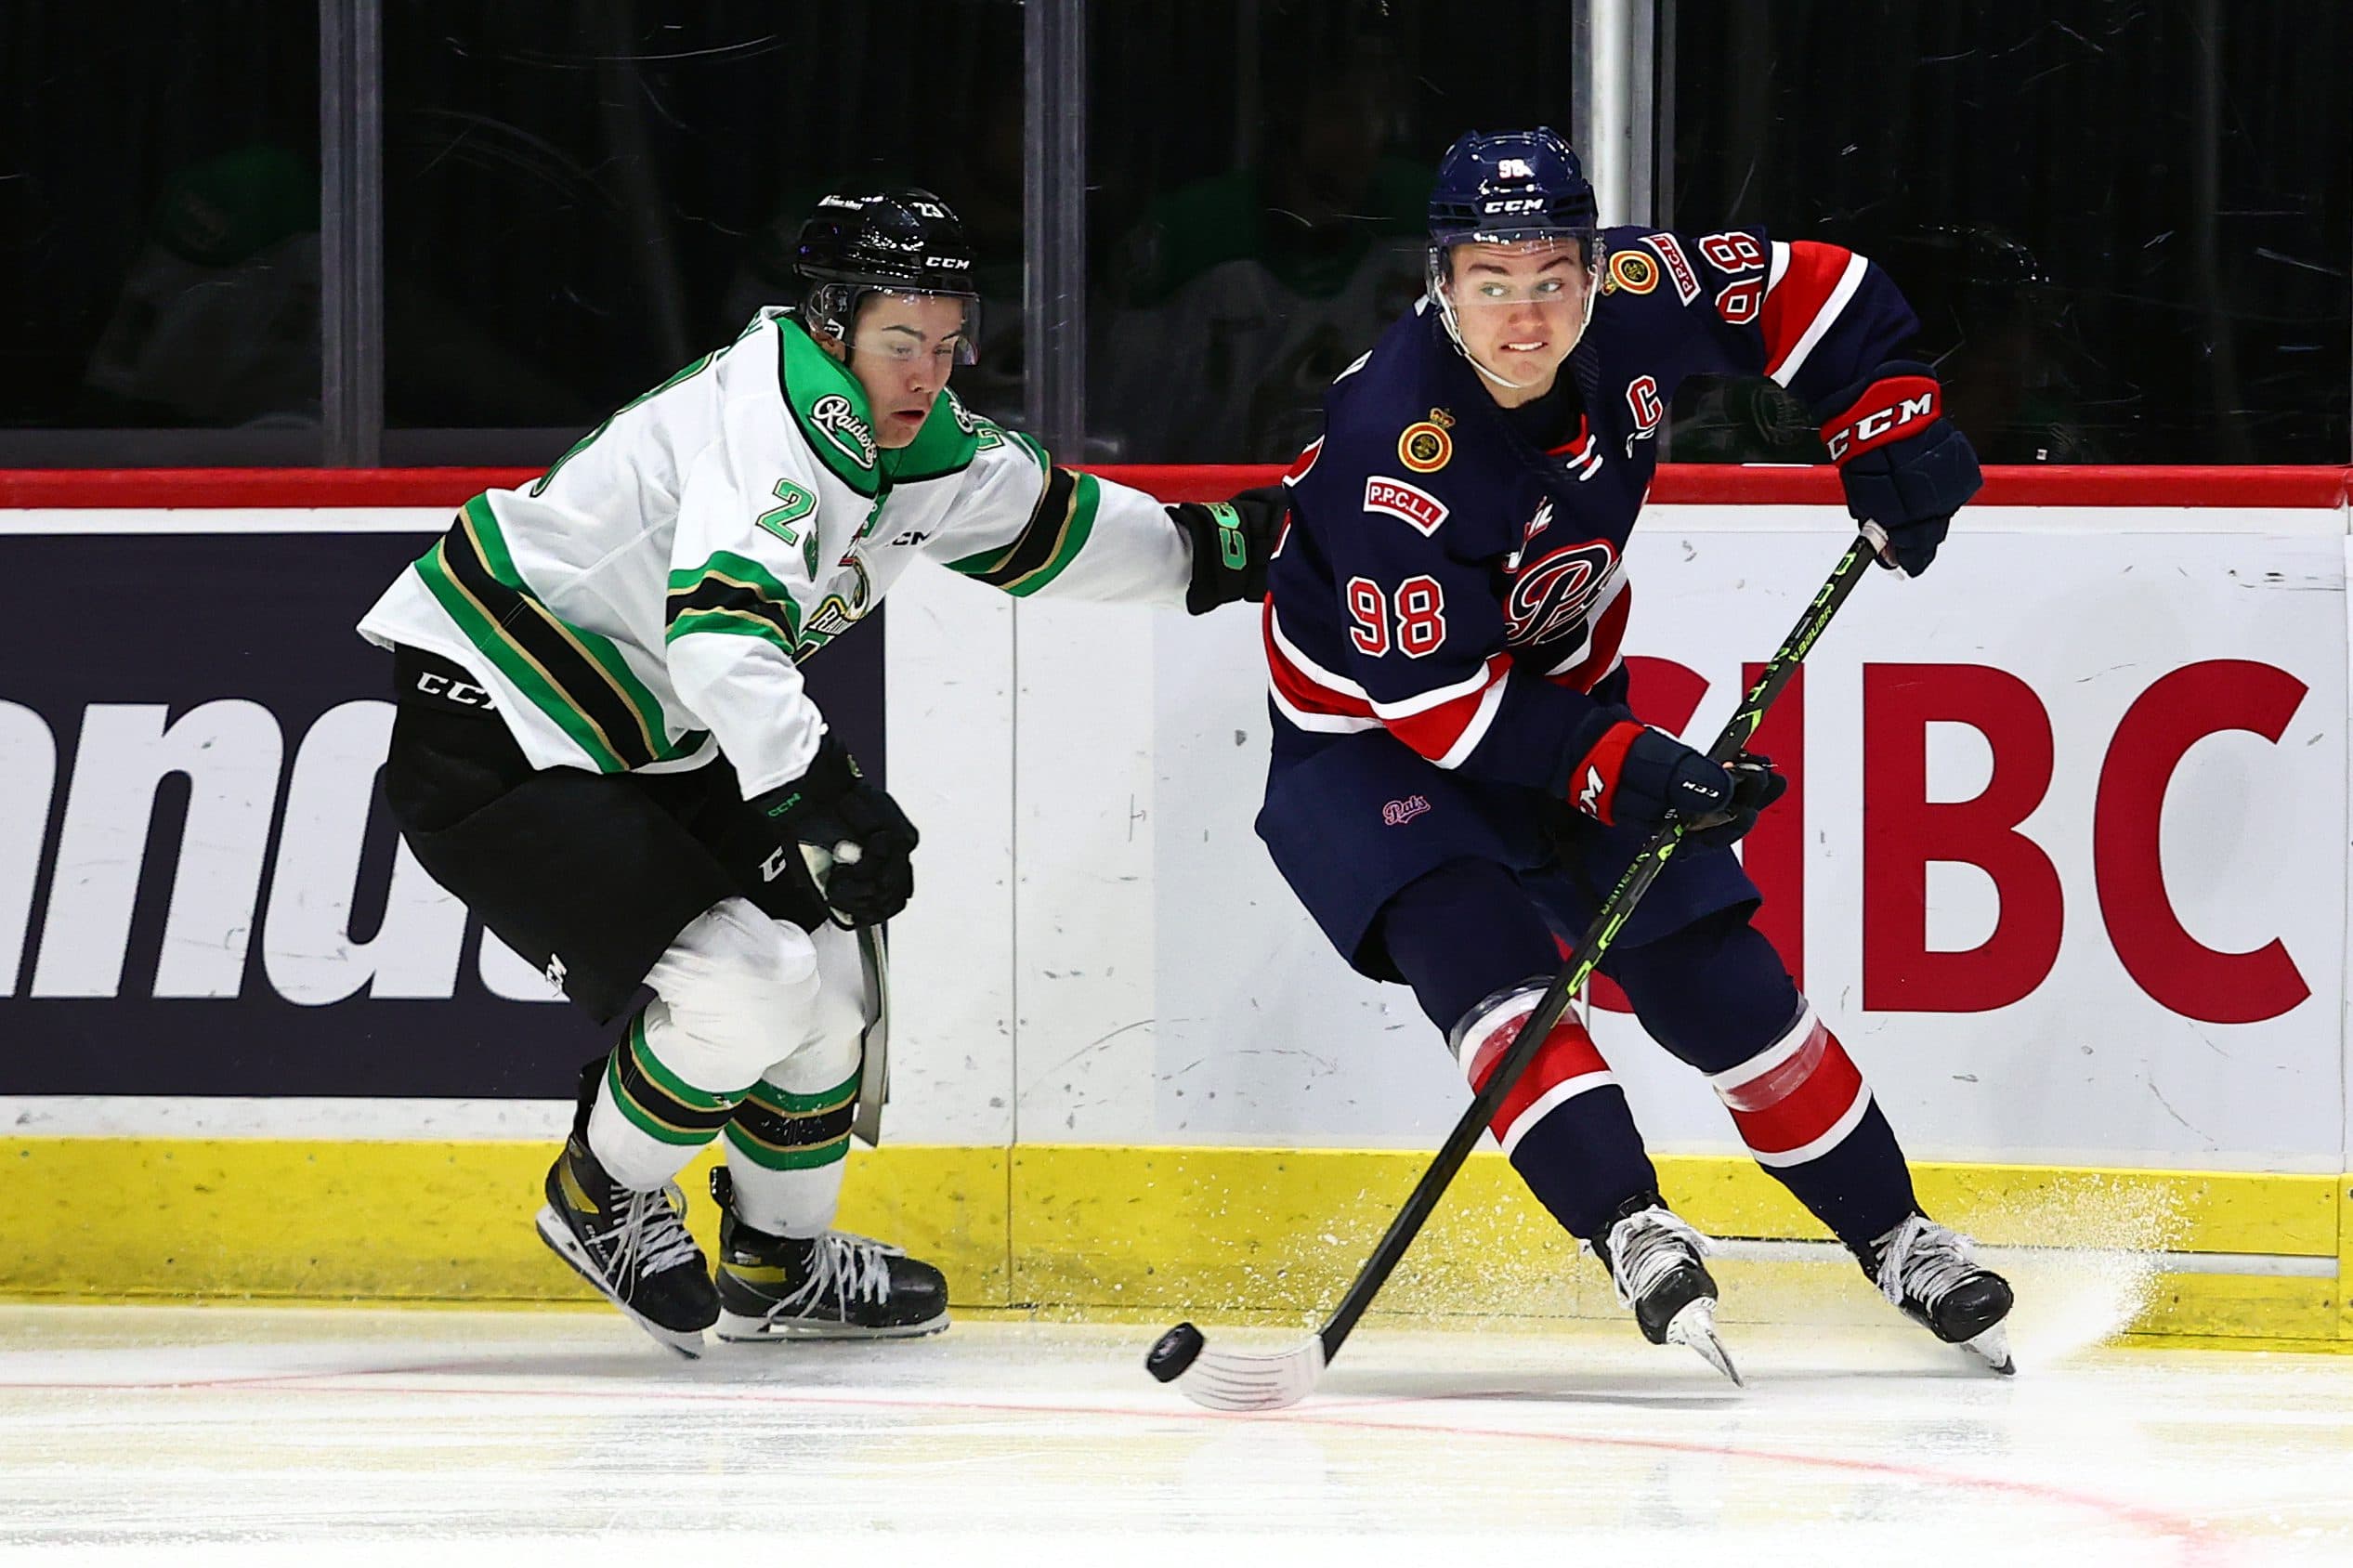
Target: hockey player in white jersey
[605,747]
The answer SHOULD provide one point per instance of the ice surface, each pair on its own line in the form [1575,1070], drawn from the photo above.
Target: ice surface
[203,1435]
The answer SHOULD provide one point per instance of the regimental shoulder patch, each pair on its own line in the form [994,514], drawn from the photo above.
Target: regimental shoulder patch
[1678,265]
[1633,271]
[1425,446]
[1408,504]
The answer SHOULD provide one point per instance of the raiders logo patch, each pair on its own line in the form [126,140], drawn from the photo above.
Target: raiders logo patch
[1424,447]
[1633,271]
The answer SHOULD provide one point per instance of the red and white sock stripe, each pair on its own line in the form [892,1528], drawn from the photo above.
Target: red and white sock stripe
[1796,1099]
[1566,1065]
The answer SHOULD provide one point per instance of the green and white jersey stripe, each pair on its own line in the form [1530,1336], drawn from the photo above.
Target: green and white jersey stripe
[661,584]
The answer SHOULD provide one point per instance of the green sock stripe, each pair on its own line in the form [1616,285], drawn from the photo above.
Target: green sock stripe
[768,1095]
[805,1159]
[634,1112]
[669,1082]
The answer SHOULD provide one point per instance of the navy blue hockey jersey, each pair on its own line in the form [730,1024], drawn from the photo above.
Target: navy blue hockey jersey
[1442,578]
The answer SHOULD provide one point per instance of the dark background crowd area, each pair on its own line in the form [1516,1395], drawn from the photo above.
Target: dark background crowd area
[2127,226]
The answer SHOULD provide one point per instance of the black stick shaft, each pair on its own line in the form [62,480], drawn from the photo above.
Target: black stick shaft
[1611,916]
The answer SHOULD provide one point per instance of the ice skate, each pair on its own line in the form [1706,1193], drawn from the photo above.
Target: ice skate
[631,1245]
[1930,1274]
[832,1287]
[1654,1259]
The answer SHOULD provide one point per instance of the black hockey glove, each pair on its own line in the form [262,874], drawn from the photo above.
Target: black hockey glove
[1906,467]
[1755,787]
[845,838]
[1641,777]
[1231,542]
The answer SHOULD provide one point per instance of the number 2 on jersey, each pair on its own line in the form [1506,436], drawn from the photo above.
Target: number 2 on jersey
[1421,614]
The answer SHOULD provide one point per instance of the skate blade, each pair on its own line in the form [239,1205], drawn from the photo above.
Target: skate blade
[560,1241]
[1695,1326]
[737,1328]
[1993,1348]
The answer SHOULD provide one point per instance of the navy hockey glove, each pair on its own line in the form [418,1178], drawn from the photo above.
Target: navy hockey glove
[1906,466]
[1639,777]
[1231,542]
[846,839]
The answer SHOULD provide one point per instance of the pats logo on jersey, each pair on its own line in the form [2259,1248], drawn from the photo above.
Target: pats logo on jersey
[1425,446]
[1408,504]
[1396,814]
[1551,595]
[1632,271]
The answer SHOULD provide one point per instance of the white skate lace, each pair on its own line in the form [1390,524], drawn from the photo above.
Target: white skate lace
[1646,1246]
[848,1267]
[1923,1259]
[650,1237]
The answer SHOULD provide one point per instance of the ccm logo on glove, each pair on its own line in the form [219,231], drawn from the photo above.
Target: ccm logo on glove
[1888,411]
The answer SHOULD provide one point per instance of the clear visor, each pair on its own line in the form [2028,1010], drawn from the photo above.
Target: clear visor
[901,328]
[1547,270]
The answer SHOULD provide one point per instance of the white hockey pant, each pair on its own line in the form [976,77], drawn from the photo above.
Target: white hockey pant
[754,1027]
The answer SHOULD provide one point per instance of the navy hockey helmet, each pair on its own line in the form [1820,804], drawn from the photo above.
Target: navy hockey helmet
[1510,187]
[895,240]
[1513,185]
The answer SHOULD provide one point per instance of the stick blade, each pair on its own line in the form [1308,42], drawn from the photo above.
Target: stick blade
[1241,1380]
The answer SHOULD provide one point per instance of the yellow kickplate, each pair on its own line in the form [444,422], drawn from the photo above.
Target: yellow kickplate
[1108,1229]
[132,1217]
[1213,1230]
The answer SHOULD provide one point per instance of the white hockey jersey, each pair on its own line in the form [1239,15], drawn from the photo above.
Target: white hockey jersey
[655,591]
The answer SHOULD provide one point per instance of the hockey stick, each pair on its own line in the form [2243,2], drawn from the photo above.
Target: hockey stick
[1224,1379]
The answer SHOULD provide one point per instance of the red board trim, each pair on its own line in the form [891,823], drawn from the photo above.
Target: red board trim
[1677,483]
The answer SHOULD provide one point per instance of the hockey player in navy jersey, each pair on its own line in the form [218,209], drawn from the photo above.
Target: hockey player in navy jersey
[1459,769]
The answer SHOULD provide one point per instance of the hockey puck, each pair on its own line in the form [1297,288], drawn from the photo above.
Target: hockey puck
[1175,1351]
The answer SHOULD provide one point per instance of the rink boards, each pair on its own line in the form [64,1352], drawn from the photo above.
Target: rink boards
[2065,865]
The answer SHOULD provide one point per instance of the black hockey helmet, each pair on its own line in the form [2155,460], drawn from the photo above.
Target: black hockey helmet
[892,240]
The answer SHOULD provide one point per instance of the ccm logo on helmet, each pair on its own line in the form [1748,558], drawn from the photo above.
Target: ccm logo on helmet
[1406,502]
[1884,413]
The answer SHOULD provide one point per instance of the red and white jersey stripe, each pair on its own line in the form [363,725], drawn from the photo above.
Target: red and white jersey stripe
[1306,693]
[1807,288]
[1445,724]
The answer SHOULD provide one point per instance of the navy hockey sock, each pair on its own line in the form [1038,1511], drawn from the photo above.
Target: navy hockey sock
[1479,955]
